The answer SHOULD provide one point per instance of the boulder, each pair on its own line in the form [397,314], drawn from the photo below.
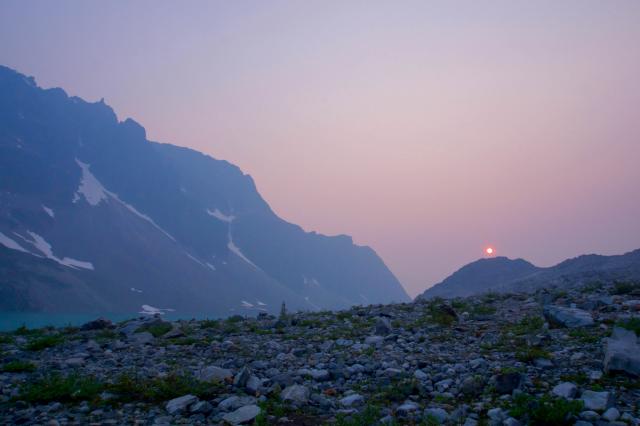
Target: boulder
[568,317]
[352,400]
[180,405]
[242,415]
[201,407]
[213,373]
[383,327]
[611,415]
[596,401]
[234,402]
[507,382]
[407,408]
[295,393]
[565,390]
[438,414]
[622,352]
[240,380]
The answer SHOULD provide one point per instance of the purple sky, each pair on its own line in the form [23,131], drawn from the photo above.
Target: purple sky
[427,130]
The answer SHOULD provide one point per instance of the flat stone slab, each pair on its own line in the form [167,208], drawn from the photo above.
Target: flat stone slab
[568,317]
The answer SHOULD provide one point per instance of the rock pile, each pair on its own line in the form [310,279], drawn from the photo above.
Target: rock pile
[554,357]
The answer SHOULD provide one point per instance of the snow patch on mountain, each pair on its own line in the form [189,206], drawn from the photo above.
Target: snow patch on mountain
[152,310]
[313,305]
[44,247]
[142,216]
[136,290]
[221,216]
[94,192]
[246,304]
[48,211]
[195,259]
[310,281]
[236,250]
[11,244]
[89,187]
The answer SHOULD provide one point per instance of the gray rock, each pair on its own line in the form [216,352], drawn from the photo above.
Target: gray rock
[352,400]
[242,415]
[568,317]
[407,408]
[213,373]
[234,402]
[420,375]
[173,333]
[611,415]
[295,393]
[75,362]
[589,415]
[143,338]
[383,327]
[202,407]
[316,374]
[596,401]
[472,385]
[180,405]
[438,414]
[253,385]
[622,352]
[510,422]
[496,414]
[374,340]
[565,390]
[240,380]
[507,382]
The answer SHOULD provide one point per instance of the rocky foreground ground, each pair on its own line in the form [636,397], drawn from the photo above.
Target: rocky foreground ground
[554,357]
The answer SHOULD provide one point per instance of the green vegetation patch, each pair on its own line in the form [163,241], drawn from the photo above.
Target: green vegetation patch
[545,410]
[24,331]
[6,339]
[625,287]
[632,324]
[531,354]
[369,416]
[527,325]
[132,387]
[18,367]
[59,388]
[44,342]
[157,329]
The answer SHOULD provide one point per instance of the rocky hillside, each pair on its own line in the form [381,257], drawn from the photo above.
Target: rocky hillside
[547,358]
[95,218]
[508,275]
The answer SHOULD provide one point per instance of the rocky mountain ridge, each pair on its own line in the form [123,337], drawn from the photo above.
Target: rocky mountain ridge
[501,274]
[95,218]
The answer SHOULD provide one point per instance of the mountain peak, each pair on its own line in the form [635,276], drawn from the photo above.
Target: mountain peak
[80,188]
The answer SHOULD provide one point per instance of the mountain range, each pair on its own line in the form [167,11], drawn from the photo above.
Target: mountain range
[96,218]
[500,274]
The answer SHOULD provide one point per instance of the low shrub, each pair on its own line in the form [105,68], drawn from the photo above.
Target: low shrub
[59,388]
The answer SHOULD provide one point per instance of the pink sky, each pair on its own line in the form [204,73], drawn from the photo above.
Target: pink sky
[427,130]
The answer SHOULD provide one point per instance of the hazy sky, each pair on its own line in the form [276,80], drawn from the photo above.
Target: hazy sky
[426,129]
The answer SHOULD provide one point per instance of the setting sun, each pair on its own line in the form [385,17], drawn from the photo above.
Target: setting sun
[489,251]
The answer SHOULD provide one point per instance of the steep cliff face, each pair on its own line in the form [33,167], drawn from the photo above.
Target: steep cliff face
[96,218]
